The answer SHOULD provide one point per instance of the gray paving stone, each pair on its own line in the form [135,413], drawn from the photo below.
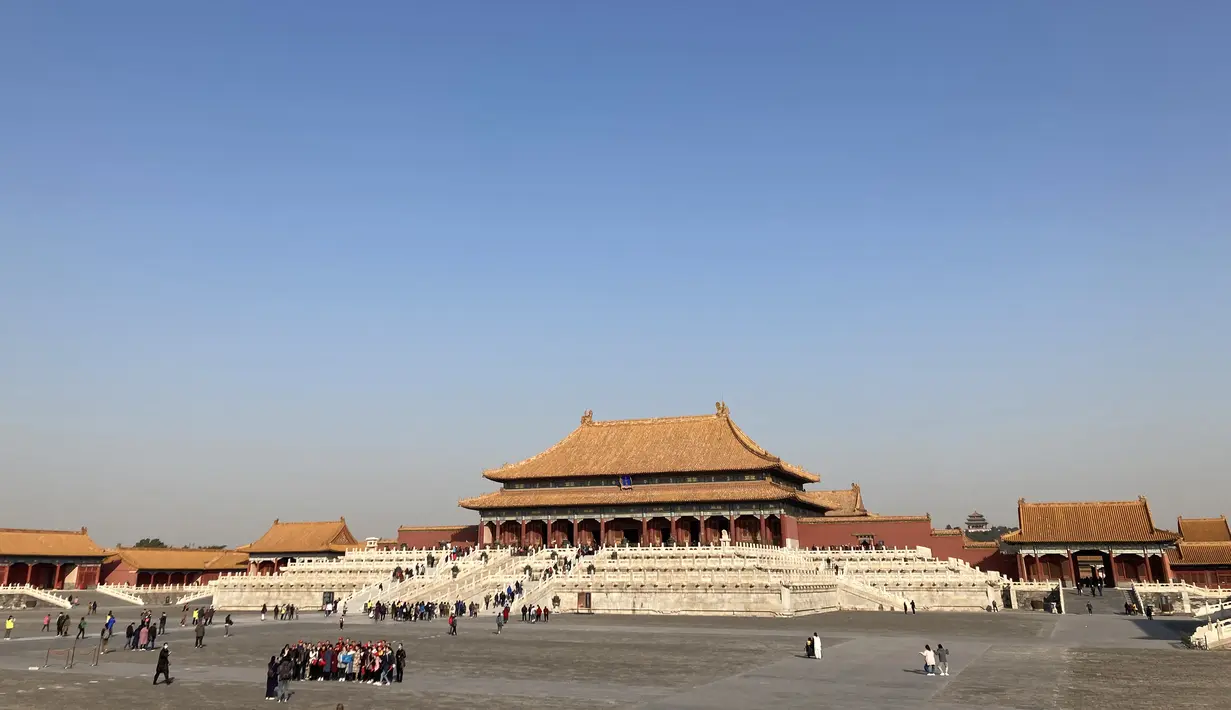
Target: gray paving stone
[1017,661]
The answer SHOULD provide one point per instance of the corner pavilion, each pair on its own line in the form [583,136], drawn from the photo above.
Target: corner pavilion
[682,480]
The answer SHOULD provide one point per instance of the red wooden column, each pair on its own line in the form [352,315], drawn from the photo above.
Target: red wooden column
[521,540]
[1038,568]
[1166,567]
[673,532]
[602,532]
[4,575]
[1149,569]
[55,581]
[705,538]
[576,532]
[1021,567]
[764,532]
[1075,572]
[645,531]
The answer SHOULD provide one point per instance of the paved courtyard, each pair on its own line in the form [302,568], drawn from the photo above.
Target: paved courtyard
[1009,660]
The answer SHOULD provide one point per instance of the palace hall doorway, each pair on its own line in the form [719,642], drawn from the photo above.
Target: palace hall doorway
[715,526]
[658,531]
[687,531]
[624,531]
[773,526]
[588,532]
[561,533]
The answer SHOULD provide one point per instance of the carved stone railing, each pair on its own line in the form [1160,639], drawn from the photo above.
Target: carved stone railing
[121,592]
[40,594]
[1216,634]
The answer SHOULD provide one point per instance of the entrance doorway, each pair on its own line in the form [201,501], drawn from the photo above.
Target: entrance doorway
[624,531]
[687,531]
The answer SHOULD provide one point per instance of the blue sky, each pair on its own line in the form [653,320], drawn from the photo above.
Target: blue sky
[301,260]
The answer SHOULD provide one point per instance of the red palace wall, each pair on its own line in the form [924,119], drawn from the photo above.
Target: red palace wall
[458,536]
[118,572]
[1203,576]
[904,532]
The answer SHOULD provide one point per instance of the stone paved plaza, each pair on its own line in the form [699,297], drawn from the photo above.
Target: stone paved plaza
[1007,660]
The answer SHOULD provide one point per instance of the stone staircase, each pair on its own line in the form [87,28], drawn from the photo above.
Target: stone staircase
[869,597]
[1112,601]
[481,581]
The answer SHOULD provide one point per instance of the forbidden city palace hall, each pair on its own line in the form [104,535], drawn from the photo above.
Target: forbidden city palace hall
[688,480]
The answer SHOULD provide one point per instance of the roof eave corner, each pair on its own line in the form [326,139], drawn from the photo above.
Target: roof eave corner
[1149,515]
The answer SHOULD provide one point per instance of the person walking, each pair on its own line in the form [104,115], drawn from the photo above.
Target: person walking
[143,637]
[816,646]
[226,626]
[162,623]
[46,622]
[163,668]
[499,621]
[8,628]
[912,606]
[80,629]
[399,663]
[1089,608]
[942,659]
[200,634]
[286,669]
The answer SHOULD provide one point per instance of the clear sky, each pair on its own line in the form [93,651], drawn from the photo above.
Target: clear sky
[304,259]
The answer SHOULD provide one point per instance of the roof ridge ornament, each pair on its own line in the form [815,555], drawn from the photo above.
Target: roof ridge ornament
[723,409]
[587,417]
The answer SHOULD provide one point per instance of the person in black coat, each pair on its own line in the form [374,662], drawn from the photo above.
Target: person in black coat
[164,665]
[271,679]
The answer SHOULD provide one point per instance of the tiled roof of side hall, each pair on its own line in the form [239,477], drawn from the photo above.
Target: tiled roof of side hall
[1112,521]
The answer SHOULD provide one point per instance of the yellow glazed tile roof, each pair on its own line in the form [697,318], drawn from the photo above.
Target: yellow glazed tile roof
[710,442]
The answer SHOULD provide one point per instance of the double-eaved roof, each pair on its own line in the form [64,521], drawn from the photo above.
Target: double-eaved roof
[303,537]
[627,447]
[17,542]
[1114,521]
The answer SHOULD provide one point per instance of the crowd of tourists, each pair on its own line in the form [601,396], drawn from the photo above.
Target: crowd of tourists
[343,661]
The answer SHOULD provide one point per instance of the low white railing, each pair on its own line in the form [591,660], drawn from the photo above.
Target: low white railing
[1177,587]
[1215,634]
[122,593]
[201,591]
[1034,586]
[1209,609]
[40,594]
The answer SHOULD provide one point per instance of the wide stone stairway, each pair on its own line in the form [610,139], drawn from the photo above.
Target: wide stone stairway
[1112,601]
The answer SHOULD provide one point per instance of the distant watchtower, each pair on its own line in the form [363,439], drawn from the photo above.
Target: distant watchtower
[975,522]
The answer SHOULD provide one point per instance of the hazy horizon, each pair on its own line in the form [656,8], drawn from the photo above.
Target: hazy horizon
[301,261]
